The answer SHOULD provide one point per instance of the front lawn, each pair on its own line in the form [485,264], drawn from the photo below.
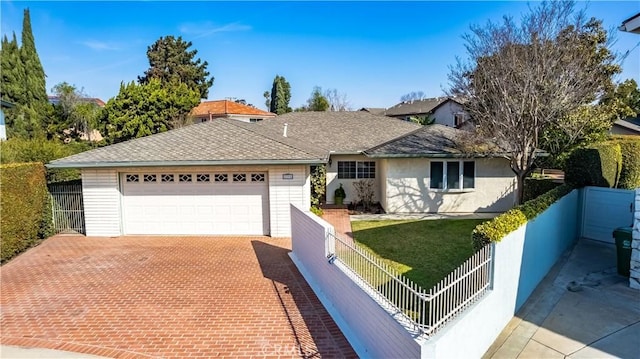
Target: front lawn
[424,251]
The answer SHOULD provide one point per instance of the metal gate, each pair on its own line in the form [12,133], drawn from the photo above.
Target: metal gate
[67,207]
[604,210]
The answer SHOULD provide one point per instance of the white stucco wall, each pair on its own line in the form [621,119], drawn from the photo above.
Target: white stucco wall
[333,181]
[407,188]
[103,198]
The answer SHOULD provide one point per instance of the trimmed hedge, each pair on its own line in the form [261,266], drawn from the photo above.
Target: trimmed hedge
[535,187]
[598,165]
[21,150]
[25,209]
[497,228]
[630,172]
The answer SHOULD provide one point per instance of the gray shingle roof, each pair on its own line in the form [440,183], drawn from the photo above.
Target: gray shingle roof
[339,132]
[216,142]
[428,141]
[417,107]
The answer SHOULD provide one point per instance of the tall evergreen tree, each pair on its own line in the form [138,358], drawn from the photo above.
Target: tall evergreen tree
[170,60]
[280,96]
[34,84]
[12,85]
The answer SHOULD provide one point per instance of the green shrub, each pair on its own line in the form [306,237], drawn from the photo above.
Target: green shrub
[25,216]
[598,165]
[535,187]
[630,172]
[21,150]
[317,211]
[497,228]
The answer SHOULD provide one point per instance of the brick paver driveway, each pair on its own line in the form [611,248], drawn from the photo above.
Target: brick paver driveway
[165,297]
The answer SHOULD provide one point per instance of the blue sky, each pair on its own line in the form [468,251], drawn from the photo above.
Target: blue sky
[373,51]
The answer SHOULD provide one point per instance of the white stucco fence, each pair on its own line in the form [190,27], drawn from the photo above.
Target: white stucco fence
[521,260]
[372,332]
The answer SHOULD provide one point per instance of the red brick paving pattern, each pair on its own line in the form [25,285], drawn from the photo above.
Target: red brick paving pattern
[169,297]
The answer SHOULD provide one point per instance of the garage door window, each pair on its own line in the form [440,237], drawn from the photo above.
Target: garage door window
[220,177]
[133,178]
[203,177]
[239,177]
[149,178]
[167,178]
[185,178]
[257,177]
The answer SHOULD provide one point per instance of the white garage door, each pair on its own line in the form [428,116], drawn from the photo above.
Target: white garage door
[226,203]
[606,209]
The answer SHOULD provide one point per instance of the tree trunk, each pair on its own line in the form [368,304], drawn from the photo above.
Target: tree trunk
[520,175]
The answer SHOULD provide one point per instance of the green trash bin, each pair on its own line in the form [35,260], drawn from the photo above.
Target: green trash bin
[623,237]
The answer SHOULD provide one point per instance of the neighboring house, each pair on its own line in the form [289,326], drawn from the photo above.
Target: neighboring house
[228,177]
[628,126]
[54,100]
[3,128]
[631,24]
[374,110]
[446,111]
[212,110]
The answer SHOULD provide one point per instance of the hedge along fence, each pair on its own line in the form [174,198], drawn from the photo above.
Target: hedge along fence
[497,228]
[630,172]
[25,209]
[598,165]
[614,164]
[535,187]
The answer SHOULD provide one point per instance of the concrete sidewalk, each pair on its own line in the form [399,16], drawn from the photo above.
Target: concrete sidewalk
[582,309]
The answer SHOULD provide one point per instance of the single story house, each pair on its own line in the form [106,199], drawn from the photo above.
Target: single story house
[228,177]
[213,110]
[446,111]
[627,126]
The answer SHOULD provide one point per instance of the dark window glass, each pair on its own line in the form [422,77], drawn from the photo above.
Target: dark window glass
[453,175]
[437,172]
[469,180]
[366,170]
[346,169]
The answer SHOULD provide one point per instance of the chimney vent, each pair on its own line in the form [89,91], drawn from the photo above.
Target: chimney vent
[285,130]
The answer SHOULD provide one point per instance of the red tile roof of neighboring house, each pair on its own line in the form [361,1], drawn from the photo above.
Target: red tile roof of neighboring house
[226,107]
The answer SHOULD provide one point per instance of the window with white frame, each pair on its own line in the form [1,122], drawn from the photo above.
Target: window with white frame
[356,169]
[453,174]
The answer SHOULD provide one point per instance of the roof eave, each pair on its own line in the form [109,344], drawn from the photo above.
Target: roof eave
[435,155]
[112,164]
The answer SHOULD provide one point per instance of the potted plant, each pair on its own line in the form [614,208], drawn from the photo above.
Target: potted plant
[339,195]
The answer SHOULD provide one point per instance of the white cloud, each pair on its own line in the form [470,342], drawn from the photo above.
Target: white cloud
[208,28]
[100,45]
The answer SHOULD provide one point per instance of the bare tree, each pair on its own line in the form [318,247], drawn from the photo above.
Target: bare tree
[413,96]
[337,101]
[523,79]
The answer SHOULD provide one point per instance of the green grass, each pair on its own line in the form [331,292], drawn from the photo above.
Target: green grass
[424,251]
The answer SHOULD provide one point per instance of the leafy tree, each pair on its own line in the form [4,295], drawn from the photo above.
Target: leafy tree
[170,60]
[337,101]
[267,99]
[522,79]
[317,101]
[74,115]
[144,109]
[278,99]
